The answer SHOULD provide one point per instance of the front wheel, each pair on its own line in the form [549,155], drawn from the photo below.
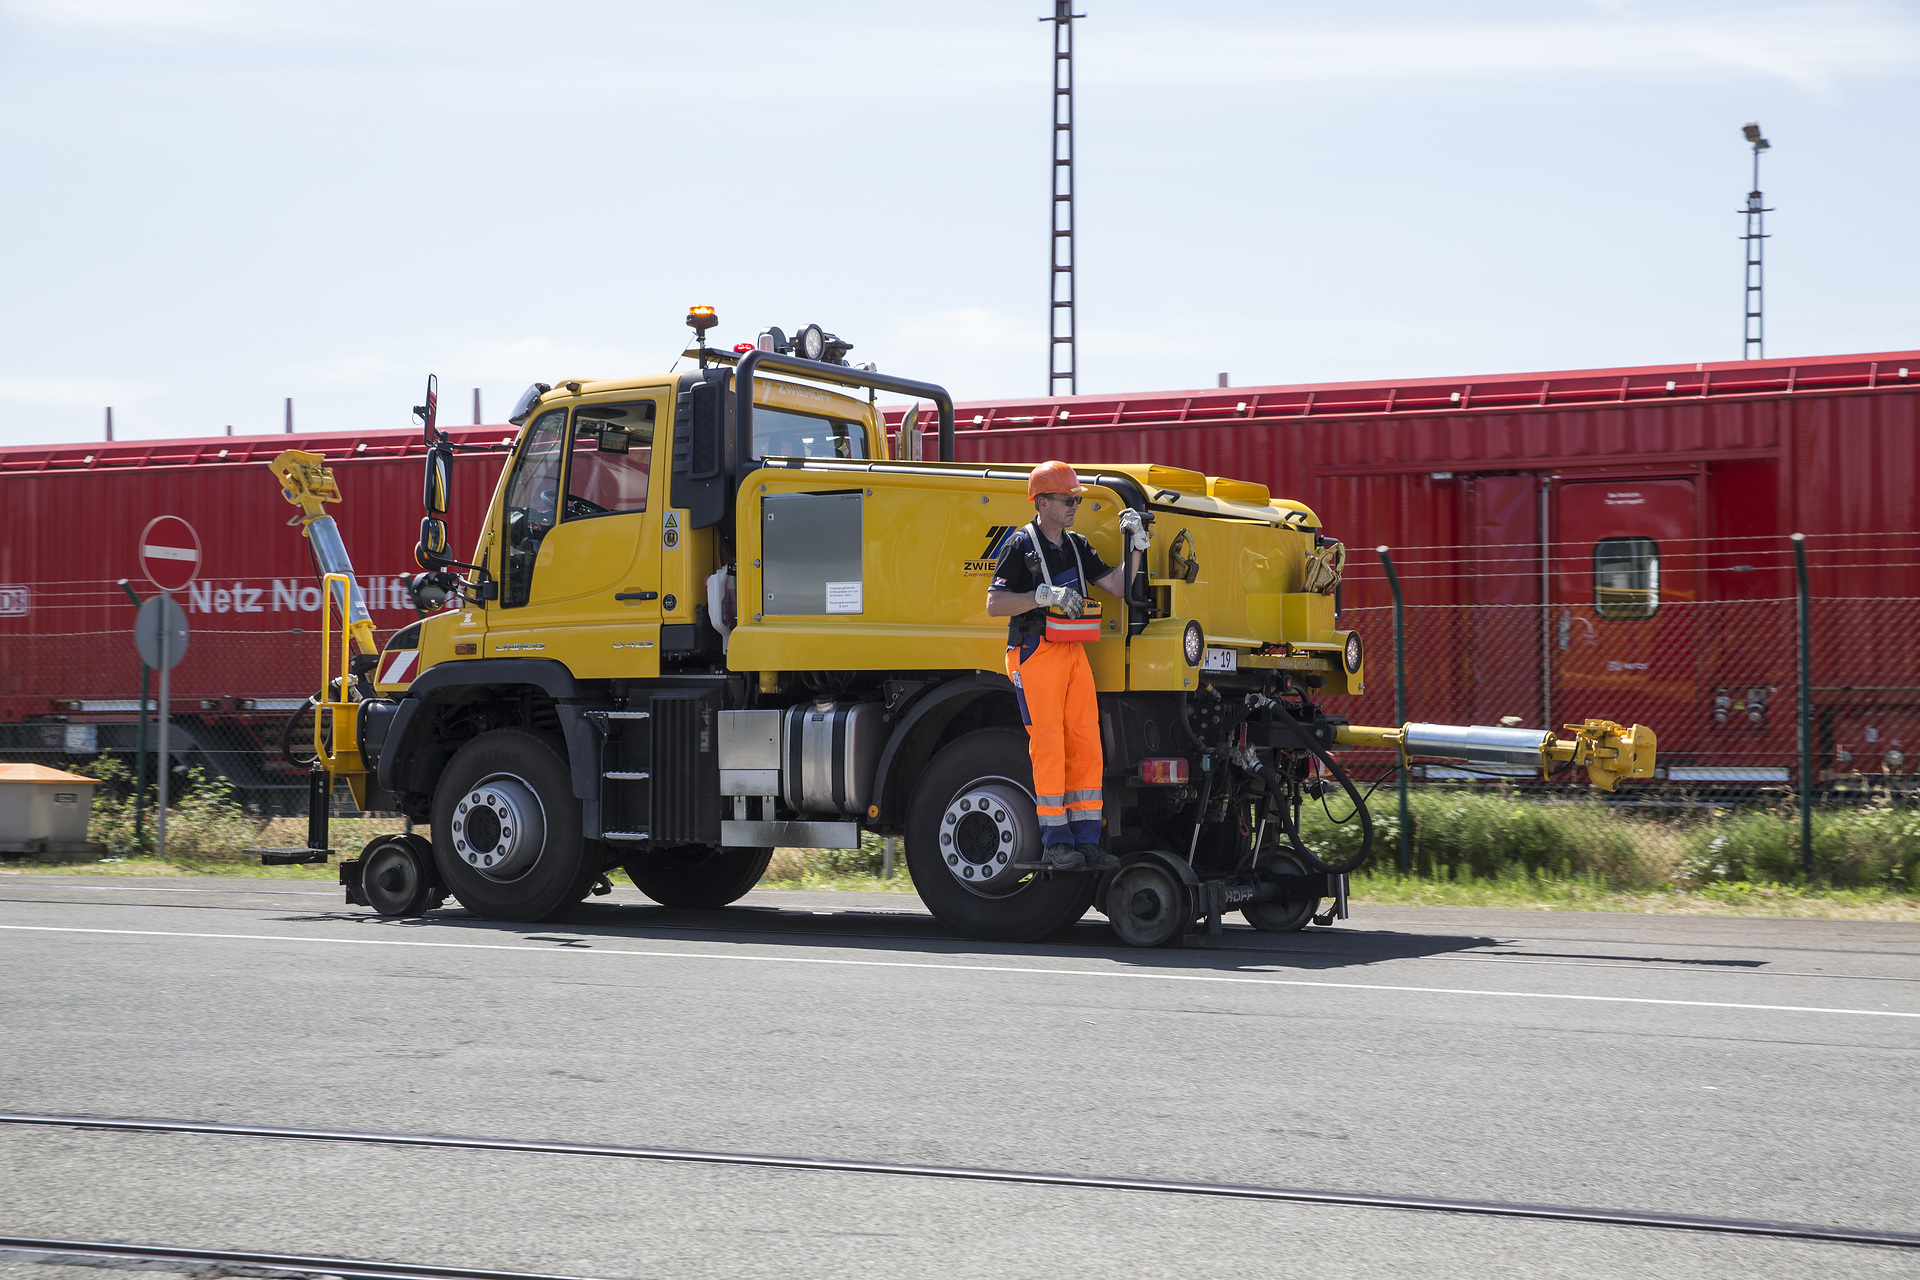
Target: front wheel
[506,829]
[698,877]
[972,838]
[398,877]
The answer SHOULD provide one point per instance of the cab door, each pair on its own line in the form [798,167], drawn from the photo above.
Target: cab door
[1622,626]
[581,570]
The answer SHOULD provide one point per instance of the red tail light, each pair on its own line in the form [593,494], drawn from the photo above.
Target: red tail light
[1169,771]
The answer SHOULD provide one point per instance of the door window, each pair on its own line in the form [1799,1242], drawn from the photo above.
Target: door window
[1626,577]
[533,503]
[612,449]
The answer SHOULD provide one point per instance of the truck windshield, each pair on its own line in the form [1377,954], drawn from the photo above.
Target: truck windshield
[778,433]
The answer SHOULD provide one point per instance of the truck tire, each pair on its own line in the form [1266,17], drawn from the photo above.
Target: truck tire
[983,782]
[506,829]
[1281,917]
[699,878]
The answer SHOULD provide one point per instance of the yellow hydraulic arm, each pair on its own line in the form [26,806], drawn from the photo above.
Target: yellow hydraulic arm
[1608,751]
[307,482]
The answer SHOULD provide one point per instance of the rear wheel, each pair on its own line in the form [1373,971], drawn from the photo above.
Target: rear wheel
[970,825]
[698,877]
[1288,916]
[506,829]
[1148,904]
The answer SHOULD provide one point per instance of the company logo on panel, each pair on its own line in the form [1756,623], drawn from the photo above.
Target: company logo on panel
[996,545]
[16,602]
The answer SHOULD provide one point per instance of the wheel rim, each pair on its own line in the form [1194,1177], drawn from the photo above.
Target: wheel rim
[1147,905]
[986,832]
[390,878]
[499,827]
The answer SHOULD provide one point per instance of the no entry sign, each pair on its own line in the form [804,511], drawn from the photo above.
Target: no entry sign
[170,553]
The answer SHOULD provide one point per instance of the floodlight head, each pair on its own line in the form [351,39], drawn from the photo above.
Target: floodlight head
[1751,130]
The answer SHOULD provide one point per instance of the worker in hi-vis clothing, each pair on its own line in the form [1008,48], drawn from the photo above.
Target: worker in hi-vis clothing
[1041,584]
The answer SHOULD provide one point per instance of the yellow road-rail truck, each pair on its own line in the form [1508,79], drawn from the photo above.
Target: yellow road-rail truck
[709,614]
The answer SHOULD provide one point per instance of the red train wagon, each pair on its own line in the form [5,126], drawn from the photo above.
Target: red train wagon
[71,519]
[1591,542]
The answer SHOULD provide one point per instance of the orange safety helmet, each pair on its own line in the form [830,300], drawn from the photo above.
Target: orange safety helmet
[1053,477]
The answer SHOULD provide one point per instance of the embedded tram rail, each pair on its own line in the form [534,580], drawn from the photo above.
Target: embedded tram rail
[1699,1224]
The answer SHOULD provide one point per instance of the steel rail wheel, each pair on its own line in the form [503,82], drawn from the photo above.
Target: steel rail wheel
[698,877]
[506,829]
[1286,916]
[1148,905]
[971,833]
[398,876]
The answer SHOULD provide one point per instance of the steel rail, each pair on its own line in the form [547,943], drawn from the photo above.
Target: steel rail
[364,1269]
[1810,1232]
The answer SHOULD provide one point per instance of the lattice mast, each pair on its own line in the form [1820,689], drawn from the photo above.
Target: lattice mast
[1060,279]
[1754,346]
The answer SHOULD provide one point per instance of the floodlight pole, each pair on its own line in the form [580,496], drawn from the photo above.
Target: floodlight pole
[1754,346]
[1061,294]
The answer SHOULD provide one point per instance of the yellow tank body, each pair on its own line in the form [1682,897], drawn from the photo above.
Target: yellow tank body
[929,534]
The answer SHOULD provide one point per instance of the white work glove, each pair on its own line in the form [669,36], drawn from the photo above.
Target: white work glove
[1065,599]
[1044,595]
[1135,529]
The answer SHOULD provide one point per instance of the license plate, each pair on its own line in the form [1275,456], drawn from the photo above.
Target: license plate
[1221,660]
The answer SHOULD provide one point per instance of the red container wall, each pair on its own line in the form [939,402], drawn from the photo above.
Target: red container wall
[69,528]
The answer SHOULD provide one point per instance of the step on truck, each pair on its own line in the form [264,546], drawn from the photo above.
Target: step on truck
[714,612]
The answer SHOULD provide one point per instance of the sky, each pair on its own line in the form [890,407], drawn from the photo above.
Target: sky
[213,205]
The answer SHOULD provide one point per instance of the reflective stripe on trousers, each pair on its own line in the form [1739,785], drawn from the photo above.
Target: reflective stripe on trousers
[1055,686]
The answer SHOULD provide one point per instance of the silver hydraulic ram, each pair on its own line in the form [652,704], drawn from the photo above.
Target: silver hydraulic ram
[1608,751]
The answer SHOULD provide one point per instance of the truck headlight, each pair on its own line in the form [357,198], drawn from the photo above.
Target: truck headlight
[1193,645]
[1352,653]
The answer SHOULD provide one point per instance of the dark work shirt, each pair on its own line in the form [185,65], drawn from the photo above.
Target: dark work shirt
[1012,574]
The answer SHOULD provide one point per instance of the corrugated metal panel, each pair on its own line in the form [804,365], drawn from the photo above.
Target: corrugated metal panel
[69,528]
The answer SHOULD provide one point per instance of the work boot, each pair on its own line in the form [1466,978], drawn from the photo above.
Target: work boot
[1063,857]
[1096,858]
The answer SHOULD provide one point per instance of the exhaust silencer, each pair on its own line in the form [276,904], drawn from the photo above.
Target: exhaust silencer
[1479,743]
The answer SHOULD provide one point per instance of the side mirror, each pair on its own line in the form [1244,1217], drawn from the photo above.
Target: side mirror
[429,413]
[699,447]
[439,481]
[908,448]
[432,551]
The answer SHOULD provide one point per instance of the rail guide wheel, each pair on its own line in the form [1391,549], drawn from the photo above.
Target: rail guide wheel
[398,876]
[1148,905]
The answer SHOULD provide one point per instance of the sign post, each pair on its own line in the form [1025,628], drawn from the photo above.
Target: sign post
[170,555]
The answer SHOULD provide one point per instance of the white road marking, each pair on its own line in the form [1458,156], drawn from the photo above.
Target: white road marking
[578,946]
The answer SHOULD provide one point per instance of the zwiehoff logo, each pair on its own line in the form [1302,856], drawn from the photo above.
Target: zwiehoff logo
[996,547]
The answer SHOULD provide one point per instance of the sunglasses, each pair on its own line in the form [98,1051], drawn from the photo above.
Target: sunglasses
[1071,499]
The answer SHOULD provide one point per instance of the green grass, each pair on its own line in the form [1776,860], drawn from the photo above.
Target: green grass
[1470,849]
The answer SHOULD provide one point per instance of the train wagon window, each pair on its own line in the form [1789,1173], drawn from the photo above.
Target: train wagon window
[612,445]
[1626,577]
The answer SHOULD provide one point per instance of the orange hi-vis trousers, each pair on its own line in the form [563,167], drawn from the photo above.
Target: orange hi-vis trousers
[1055,686]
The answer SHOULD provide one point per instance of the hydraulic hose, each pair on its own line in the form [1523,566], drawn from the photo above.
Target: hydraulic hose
[304,716]
[1290,824]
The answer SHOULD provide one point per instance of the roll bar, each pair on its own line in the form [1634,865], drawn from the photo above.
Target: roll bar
[843,375]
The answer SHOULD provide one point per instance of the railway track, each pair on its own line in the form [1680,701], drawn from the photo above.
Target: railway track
[101,1253]
[1691,1223]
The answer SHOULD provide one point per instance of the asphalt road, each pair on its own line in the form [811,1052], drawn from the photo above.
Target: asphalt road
[1733,1068]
